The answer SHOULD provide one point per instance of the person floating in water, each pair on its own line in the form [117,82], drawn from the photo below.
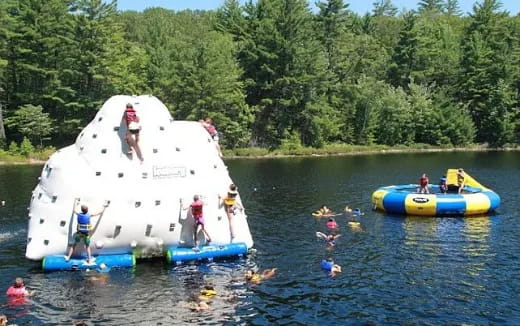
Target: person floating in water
[330,239]
[423,184]
[132,131]
[255,278]
[323,211]
[208,292]
[329,265]
[231,204]
[443,186]
[332,224]
[461,179]
[83,232]
[196,212]
[210,128]
[18,289]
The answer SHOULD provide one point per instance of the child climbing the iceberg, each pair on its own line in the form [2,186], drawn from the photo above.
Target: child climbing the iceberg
[196,211]
[231,204]
[84,230]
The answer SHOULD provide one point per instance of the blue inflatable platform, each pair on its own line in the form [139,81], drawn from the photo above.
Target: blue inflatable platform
[177,255]
[58,262]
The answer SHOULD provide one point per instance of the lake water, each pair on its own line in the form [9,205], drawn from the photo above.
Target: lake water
[396,270]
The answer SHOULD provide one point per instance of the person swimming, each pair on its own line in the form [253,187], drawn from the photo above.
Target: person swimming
[323,211]
[18,289]
[255,278]
[208,292]
[330,239]
[331,223]
[329,265]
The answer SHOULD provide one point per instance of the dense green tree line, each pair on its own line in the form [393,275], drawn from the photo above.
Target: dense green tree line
[269,72]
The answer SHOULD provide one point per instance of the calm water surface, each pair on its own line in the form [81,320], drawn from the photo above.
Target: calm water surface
[396,270]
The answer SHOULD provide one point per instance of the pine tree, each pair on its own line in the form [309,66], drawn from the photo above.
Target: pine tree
[436,6]
[487,61]
[452,8]
[404,59]
[384,8]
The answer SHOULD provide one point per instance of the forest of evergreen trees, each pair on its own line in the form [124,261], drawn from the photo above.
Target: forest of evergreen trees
[268,71]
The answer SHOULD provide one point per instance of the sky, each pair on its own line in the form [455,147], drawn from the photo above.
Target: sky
[358,6]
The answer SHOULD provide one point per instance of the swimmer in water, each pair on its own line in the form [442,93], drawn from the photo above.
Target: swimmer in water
[323,211]
[330,239]
[331,223]
[255,278]
[335,270]
[18,289]
[208,292]
[202,306]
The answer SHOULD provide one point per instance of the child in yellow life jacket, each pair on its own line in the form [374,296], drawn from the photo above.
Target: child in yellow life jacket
[231,203]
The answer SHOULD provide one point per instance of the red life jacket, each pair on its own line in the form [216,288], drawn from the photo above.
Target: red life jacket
[424,181]
[211,129]
[130,115]
[196,209]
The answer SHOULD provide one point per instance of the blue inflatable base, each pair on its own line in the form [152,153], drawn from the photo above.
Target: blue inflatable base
[178,255]
[58,262]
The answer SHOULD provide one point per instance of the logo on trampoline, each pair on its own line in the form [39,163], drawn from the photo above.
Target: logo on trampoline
[420,200]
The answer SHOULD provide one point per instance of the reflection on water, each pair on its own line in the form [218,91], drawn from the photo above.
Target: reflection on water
[396,271]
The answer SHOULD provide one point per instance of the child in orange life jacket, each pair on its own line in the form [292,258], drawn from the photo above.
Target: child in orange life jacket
[196,212]
[231,203]
[83,232]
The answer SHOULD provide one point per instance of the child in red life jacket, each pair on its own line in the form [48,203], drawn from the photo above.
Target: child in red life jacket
[196,212]
[423,184]
[132,130]
[18,289]
[210,128]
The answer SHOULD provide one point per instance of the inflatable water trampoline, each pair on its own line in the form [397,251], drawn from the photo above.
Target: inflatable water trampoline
[474,199]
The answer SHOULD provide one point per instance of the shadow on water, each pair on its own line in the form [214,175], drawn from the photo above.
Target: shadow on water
[396,270]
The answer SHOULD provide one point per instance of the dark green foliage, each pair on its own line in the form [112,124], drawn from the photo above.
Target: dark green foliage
[269,73]
[405,59]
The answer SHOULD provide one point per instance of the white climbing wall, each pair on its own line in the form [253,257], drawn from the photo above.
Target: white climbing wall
[144,215]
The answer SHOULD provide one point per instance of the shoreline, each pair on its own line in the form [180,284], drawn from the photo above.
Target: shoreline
[372,152]
[324,153]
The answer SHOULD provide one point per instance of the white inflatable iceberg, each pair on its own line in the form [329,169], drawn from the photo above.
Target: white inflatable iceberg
[144,216]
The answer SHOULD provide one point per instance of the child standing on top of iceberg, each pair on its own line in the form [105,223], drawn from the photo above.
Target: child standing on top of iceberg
[132,130]
[231,203]
[196,212]
[84,228]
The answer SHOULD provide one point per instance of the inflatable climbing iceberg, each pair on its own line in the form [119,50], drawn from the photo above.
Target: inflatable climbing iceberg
[145,215]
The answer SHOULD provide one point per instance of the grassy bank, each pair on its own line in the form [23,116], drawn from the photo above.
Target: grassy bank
[36,157]
[345,149]
[40,156]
